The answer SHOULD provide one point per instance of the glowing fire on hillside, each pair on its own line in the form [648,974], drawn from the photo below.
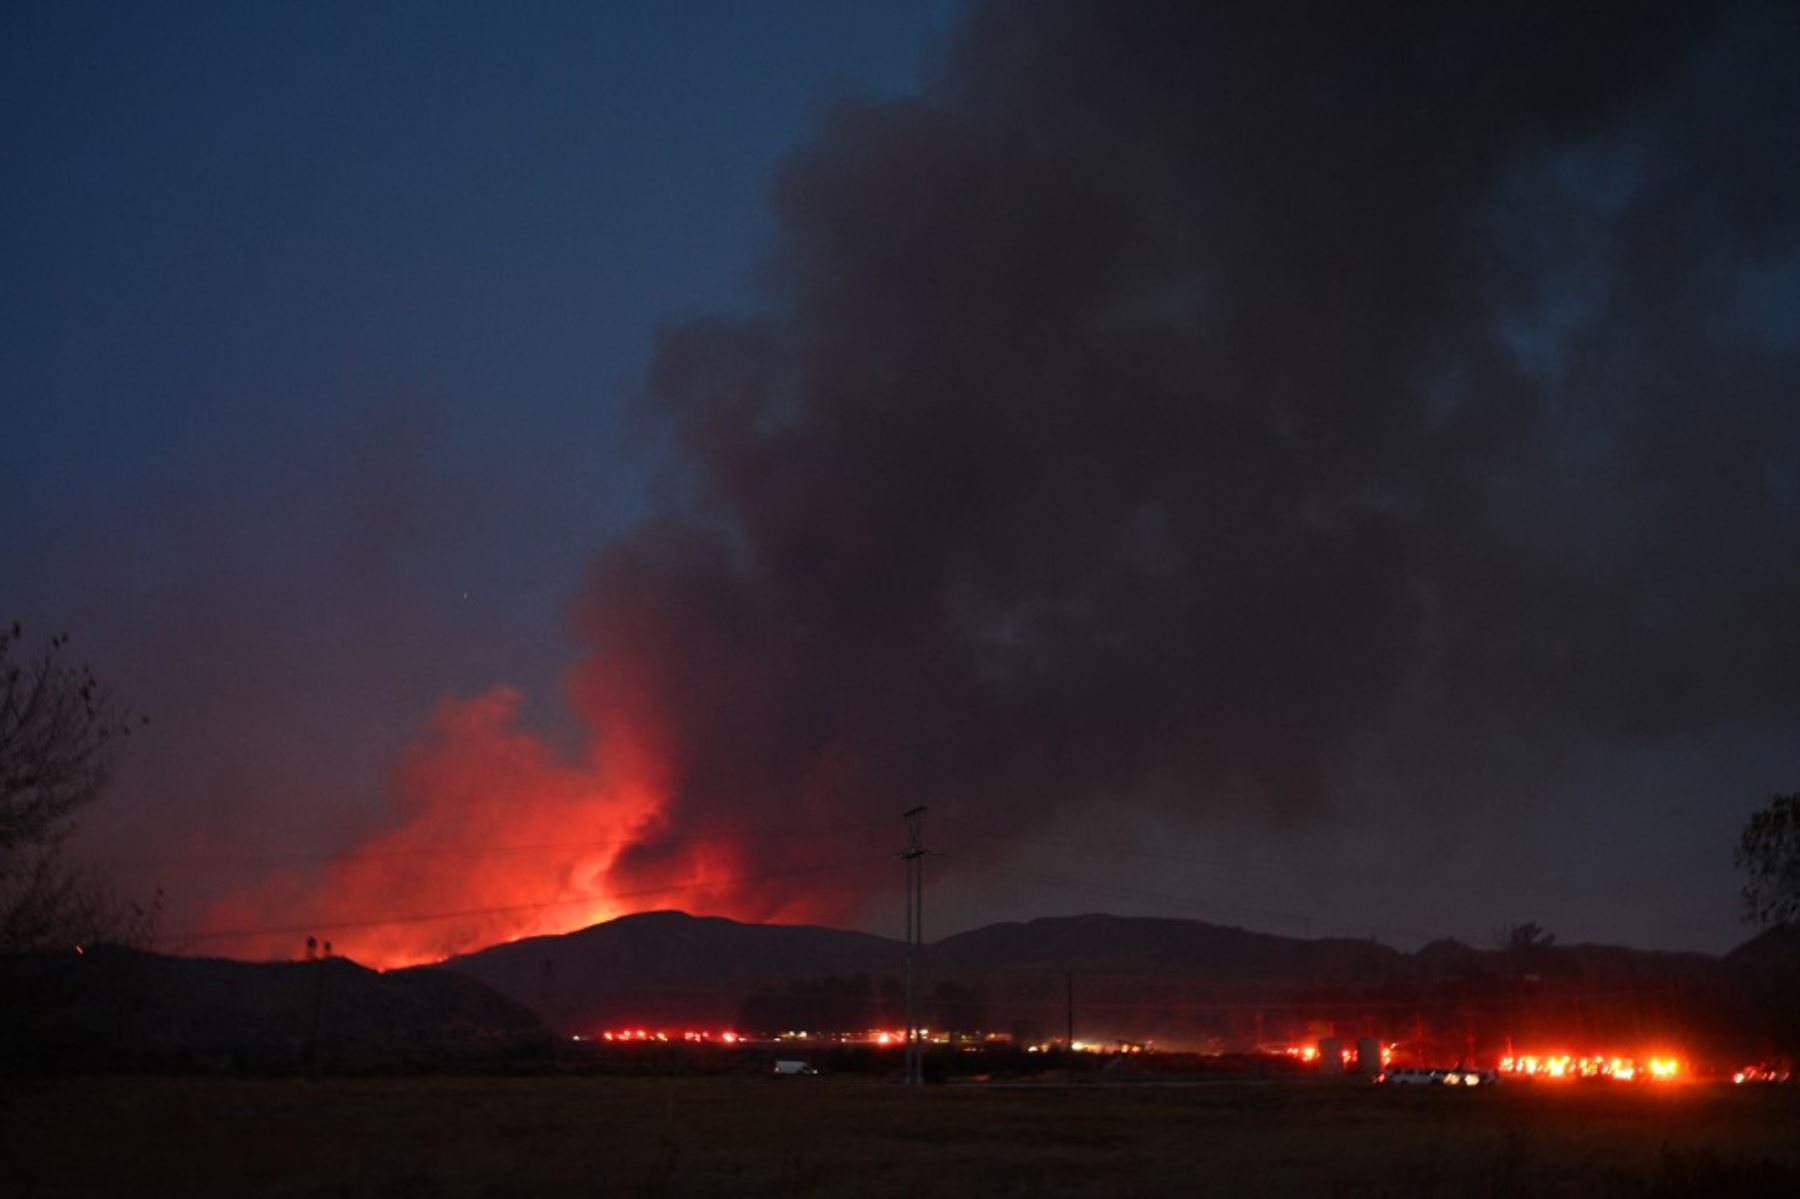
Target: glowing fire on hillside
[1309,1054]
[1559,1067]
[497,838]
[877,1037]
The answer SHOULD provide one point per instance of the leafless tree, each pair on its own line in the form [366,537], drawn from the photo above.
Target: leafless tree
[59,729]
[1529,937]
[1768,853]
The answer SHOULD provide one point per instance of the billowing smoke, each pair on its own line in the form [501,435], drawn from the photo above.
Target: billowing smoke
[1177,397]
[1190,406]
[495,838]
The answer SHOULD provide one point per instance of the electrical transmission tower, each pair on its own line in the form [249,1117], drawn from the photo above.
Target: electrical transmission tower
[914,857]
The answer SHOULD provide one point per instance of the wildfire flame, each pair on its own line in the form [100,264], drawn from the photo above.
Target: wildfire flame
[497,838]
[1613,1067]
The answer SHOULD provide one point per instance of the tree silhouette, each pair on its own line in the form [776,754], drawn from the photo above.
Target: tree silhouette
[58,730]
[1525,938]
[1768,853]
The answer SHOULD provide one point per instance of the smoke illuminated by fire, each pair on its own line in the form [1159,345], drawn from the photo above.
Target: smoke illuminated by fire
[1130,429]
[495,839]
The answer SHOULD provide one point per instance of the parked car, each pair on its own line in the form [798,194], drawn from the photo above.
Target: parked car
[1439,1076]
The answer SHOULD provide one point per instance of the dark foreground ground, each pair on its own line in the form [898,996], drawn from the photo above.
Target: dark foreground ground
[750,1136]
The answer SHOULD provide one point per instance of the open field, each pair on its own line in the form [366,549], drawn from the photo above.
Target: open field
[753,1136]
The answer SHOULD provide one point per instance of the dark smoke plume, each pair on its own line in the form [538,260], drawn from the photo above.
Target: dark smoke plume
[1176,400]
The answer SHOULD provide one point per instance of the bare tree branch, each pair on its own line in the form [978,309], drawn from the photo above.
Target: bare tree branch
[58,731]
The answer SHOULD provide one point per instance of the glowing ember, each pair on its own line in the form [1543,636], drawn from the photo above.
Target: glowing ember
[1610,1067]
[668,1036]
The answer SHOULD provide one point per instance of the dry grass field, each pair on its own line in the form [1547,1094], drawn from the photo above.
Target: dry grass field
[748,1136]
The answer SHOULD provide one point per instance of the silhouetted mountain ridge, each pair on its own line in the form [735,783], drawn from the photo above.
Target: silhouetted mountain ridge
[667,967]
[1097,942]
[1138,978]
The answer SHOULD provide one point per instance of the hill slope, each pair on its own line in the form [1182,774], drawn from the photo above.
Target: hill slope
[1135,978]
[668,969]
[114,1007]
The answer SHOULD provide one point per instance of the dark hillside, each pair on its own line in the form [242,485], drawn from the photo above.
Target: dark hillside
[668,969]
[118,1008]
[1176,982]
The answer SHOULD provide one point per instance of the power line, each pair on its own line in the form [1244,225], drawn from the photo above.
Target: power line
[503,909]
[1183,903]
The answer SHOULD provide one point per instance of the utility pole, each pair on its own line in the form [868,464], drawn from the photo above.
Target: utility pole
[312,1040]
[913,856]
[1069,994]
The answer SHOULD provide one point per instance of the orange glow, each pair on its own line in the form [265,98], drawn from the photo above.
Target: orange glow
[496,837]
[473,787]
[1763,1072]
[1611,1067]
[668,1036]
